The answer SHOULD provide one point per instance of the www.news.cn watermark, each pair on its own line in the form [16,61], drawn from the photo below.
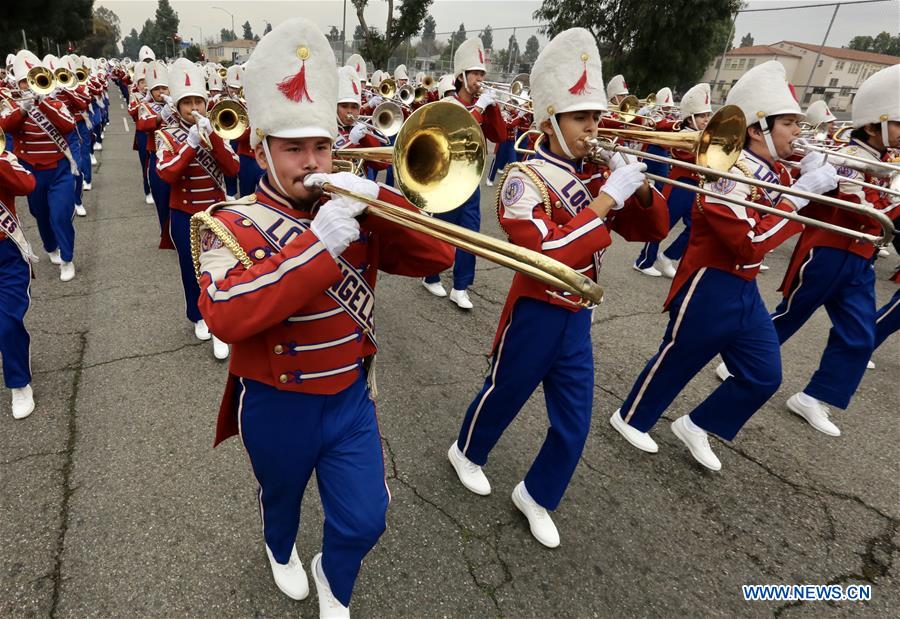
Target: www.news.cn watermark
[807,593]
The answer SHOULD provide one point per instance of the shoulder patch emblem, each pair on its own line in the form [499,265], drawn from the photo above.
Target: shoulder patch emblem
[209,241]
[843,170]
[513,190]
[723,186]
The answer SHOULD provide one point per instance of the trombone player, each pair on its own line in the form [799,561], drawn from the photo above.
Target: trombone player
[288,279]
[353,133]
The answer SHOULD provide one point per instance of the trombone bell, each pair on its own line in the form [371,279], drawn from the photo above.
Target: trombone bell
[41,81]
[229,119]
[388,118]
[387,88]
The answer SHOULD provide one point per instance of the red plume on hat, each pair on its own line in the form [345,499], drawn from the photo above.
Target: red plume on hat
[355,89]
[581,87]
[294,87]
[480,56]
[793,92]
[187,79]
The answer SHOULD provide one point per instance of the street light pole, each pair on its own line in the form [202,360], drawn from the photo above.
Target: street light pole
[201,36]
[232,18]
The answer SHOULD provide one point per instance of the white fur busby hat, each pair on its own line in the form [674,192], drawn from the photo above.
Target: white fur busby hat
[695,101]
[291,84]
[357,62]
[878,99]
[157,74]
[233,77]
[445,84]
[349,88]
[51,62]
[70,62]
[214,82]
[377,76]
[664,97]
[186,80]
[10,59]
[140,71]
[567,77]
[469,56]
[400,72]
[25,61]
[817,113]
[146,54]
[763,91]
[420,76]
[616,86]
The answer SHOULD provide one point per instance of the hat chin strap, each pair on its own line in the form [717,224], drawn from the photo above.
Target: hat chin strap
[884,135]
[561,138]
[767,136]
[271,163]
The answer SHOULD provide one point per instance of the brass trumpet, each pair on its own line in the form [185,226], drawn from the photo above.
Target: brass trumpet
[438,159]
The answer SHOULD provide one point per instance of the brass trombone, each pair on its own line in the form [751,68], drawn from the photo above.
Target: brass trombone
[438,159]
[41,81]
[627,111]
[860,164]
[386,118]
[229,119]
[715,146]
[65,78]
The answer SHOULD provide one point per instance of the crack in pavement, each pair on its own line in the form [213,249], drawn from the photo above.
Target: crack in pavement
[67,489]
[610,318]
[142,355]
[40,454]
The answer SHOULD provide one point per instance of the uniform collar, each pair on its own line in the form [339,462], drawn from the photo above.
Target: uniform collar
[543,152]
[753,157]
[267,194]
[868,149]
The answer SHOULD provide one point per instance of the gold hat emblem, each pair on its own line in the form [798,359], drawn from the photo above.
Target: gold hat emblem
[584,57]
[303,52]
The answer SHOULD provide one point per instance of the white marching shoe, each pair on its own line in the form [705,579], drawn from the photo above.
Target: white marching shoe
[148,199]
[66,271]
[641,440]
[329,606]
[229,198]
[22,402]
[80,211]
[201,331]
[870,365]
[220,348]
[883,252]
[94,160]
[461,298]
[290,578]
[54,257]
[470,474]
[489,183]
[539,520]
[435,288]
[651,271]
[665,265]
[815,414]
[98,146]
[696,439]
[86,186]
[763,267]
[722,372]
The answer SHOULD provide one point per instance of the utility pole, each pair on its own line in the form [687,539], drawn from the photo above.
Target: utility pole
[819,54]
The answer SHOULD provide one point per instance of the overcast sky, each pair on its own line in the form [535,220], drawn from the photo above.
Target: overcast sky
[806,25]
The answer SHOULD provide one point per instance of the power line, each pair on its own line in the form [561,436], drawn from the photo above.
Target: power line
[812,6]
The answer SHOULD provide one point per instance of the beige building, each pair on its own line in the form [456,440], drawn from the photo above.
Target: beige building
[836,78]
[231,51]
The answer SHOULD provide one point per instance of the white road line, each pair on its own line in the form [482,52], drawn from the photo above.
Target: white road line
[125,122]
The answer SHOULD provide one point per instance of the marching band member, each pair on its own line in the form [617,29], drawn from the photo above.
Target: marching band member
[887,318]
[401,76]
[352,133]
[714,305]
[358,62]
[215,88]
[834,271]
[616,89]
[78,100]
[15,286]
[302,404]
[469,72]
[446,87]
[250,172]
[193,161]
[141,139]
[76,105]
[695,113]
[559,205]
[155,113]
[505,151]
[99,104]
[39,126]
[819,116]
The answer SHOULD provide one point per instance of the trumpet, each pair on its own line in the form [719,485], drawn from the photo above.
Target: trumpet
[438,159]
[386,118]
[229,119]
[721,142]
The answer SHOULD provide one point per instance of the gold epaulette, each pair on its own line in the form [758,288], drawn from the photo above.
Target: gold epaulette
[754,190]
[205,219]
[538,182]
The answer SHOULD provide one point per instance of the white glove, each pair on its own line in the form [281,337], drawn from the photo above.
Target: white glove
[811,161]
[345,180]
[335,226]
[819,180]
[375,101]
[616,159]
[484,100]
[193,138]
[204,124]
[623,182]
[358,132]
[165,111]
[26,104]
[169,101]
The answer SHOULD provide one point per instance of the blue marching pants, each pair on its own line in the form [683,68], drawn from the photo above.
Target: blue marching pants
[469,217]
[84,162]
[506,154]
[680,203]
[714,313]
[180,232]
[97,122]
[15,297]
[52,204]
[845,284]
[74,141]
[231,185]
[887,319]
[562,359]
[288,435]
[143,155]
[248,175]
[160,190]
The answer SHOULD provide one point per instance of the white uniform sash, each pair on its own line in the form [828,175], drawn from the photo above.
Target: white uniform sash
[203,157]
[13,230]
[44,123]
[352,293]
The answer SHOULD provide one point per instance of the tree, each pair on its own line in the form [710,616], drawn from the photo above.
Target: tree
[747,40]
[513,54]
[427,46]
[193,52]
[334,35]
[883,43]
[166,21]
[532,49]
[103,40]
[487,37]
[149,37]
[378,46]
[248,31]
[645,39]
[268,28]
[46,23]
[131,45]
[227,35]
[456,39]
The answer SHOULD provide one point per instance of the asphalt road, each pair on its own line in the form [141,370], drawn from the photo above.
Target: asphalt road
[113,502]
